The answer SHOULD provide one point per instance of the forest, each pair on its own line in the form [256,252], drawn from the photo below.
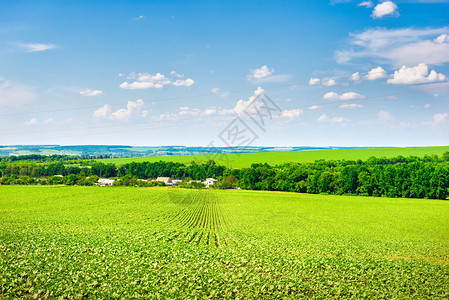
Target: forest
[408,177]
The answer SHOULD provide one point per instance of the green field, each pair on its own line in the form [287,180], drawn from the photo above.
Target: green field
[275,158]
[173,243]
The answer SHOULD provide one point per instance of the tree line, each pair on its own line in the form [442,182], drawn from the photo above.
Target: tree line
[412,177]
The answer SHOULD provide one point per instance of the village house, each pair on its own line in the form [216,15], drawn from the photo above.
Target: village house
[167,180]
[210,182]
[105,182]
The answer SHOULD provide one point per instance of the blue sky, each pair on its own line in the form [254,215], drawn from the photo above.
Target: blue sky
[343,73]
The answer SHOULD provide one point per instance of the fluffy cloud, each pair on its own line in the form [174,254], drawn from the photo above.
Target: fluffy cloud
[314,81]
[183,82]
[185,110]
[157,81]
[426,106]
[14,94]
[36,47]
[399,47]
[440,118]
[260,73]
[219,92]
[325,82]
[385,116]
[294,113]
[413,75]
[329,82]
[366,4]
[265,74]
[33,121]
[325,118]
[132,109]
[175,74]
[351,105]
[313,107]
[384,9]
[344,96]
[376,73]
[444,38]
[252,105]
[355,76]
[91,93]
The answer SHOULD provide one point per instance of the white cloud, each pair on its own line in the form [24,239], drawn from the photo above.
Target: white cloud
[425,106]
[344,96]
[407,46]
[184,82]
[219,92]
[260,73]
[444,38]
[36,47]
[173,73]
[385,116]
[366,4]
[313,107]
[48,121]
[413,75]
[157,81]
[325,118]
[141,17]
[251,106]
[265,74]
[103,112]
[14,94]
[291,113]
[329,82]
[123,114]
[314,81]
[351,105]
[376,73]
[210,111]
[33,121]
[355,76]
[91,93]
[384,9]
[185,110]
[440,118]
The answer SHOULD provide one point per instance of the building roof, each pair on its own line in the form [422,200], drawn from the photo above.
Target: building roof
[164,179]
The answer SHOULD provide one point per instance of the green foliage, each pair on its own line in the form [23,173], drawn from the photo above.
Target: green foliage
[94,242]
[412,177]
[244,160]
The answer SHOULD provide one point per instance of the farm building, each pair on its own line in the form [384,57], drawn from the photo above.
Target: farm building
[210,182]
[105,182]
[166,180]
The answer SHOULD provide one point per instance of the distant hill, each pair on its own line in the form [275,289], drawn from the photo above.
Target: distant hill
[241,160]
[119,151]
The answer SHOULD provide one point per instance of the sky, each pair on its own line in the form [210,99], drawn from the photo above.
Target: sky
[225,73]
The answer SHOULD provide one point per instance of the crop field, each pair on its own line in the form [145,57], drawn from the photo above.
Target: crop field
[121,242]
[242,160]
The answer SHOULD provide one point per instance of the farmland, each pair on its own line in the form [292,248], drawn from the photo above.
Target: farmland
[169,242]
[243,160]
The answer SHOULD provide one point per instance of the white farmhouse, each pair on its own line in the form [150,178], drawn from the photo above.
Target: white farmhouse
[210,182]
[105,182]
[166,180]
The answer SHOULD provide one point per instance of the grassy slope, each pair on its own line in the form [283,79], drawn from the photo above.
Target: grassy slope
[274,158]
[137,242]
